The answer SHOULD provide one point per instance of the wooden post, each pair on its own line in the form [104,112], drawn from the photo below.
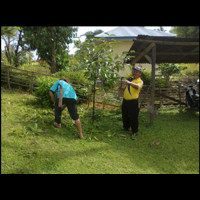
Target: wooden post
[161,99]
[88,96]
[8,73]
[153,84]
[179,94]
[32,83]
[143,53]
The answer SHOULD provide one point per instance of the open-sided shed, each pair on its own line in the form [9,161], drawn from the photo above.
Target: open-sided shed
[155,50]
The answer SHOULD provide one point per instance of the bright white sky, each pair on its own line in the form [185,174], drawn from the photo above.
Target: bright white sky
[83,29]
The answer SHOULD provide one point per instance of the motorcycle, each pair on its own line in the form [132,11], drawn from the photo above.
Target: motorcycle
[192,98]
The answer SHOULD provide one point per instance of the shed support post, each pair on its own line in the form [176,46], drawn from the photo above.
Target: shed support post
[153,84]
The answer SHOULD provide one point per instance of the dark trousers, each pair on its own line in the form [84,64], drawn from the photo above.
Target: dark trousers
[130,112]
[71,106]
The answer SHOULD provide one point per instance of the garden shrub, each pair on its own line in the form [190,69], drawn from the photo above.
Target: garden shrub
[192,73]
[146,77]
[78,82]
[42,90]
[45,83]
[42,69]
[170,69]
[72,76]
[159,81]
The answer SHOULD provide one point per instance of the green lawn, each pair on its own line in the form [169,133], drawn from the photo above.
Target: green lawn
[31,145]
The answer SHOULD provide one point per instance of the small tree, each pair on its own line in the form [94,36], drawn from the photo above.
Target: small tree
[97,59]
[169,69]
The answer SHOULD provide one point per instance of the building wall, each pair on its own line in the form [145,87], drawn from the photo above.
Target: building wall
[124,46]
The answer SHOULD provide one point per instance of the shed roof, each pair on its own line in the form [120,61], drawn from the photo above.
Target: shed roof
[130,32]
[168,49]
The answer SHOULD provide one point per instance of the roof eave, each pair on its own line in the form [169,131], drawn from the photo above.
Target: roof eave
[118,38]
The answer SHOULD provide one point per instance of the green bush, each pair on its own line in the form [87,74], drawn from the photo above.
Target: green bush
[72,76]
[146,77]
[170,69]
[159,81]
[192,73]
[45,83]
[42,69]
[42,90]
[77,80]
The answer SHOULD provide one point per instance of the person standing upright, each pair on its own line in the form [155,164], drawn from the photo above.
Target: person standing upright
[130,109]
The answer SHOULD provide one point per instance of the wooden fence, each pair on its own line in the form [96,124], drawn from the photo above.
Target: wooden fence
[27,79]
[174,94]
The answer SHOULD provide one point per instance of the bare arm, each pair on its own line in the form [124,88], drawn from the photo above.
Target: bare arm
[131,84]
[52,96]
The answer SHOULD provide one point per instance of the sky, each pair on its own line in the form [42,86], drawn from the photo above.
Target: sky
[83,29]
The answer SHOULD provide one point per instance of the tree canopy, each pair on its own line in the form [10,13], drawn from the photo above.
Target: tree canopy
[51,43]
[9,31]
[186,31]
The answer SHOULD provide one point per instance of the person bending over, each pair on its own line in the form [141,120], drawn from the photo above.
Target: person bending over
[65,97]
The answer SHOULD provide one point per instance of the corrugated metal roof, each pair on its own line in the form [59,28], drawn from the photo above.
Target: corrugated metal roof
[130,32]
[168,49]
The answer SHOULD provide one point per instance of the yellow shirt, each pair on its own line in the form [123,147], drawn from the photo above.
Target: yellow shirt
[131,93]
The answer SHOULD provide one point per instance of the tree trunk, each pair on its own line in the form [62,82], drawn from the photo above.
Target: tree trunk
[53,67]
[7,50]
[53,59]
[16,59]
[153,83]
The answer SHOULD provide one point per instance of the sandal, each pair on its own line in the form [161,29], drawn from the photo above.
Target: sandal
[57,125]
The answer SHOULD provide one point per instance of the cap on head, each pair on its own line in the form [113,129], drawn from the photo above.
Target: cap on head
[138,68]
[64,79]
